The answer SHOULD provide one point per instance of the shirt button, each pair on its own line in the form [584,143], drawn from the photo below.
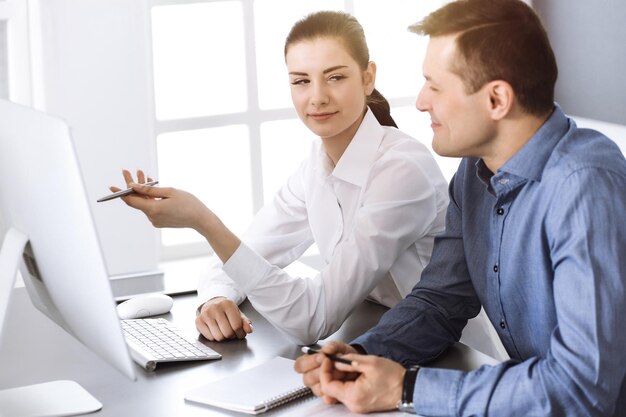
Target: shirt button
[500,211]
[502,325]
[495,268]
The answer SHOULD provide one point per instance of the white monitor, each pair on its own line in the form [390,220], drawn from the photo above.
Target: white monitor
[52,239]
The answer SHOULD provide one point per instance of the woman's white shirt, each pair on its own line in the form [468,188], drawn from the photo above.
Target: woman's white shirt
[373,217]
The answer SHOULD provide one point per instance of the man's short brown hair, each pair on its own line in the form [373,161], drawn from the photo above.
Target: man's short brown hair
[498,40]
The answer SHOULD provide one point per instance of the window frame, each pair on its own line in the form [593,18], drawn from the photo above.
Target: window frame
[253,117]
[16,15]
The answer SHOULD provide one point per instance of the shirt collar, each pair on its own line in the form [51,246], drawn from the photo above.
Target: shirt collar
[355,163]
[530,161]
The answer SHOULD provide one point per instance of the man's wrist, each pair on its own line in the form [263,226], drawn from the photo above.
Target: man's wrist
[408,390]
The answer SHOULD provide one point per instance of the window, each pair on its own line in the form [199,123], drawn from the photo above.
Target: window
[4,64]
[14,52]
[226,130]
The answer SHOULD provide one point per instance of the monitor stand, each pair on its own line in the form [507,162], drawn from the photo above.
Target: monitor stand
[50,399]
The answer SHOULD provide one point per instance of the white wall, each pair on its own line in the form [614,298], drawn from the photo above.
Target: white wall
[588,39]
[91,61]
[614,131]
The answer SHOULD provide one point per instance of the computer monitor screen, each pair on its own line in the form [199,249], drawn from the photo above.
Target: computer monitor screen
[44,205]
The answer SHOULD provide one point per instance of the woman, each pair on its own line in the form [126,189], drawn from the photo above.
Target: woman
[368,195]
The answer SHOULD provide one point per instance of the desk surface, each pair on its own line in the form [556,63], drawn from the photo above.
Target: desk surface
[159,393]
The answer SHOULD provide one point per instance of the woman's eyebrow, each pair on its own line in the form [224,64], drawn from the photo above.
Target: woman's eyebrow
[326,71]
[336,67]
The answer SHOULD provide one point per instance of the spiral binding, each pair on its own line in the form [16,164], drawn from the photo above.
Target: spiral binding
[285,398]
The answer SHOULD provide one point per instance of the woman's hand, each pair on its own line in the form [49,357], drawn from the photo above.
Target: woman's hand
[169,207]
[221,319]
[164,207]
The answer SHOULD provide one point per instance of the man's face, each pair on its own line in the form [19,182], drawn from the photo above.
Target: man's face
[460,121]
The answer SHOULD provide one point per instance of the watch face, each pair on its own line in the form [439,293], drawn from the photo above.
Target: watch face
[406,407]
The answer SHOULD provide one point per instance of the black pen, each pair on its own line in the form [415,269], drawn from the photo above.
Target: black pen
[312,351]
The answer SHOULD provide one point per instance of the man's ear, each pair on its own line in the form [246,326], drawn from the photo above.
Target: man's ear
[501,98]
[369,77]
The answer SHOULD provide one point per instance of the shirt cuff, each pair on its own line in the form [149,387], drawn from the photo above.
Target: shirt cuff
[436,391]
[218,290]
[246,268]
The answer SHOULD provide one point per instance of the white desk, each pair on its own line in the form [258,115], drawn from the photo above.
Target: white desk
[159,393]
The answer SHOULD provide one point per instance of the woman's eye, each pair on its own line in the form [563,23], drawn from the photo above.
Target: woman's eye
[336,77]
[299,82]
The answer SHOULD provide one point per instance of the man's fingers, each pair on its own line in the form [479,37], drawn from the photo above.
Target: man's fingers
[331,384]
[306,363]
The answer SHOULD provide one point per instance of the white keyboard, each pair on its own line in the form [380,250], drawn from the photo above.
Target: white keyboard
[157,340]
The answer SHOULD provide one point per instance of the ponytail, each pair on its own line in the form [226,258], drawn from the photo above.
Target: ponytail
[379,105]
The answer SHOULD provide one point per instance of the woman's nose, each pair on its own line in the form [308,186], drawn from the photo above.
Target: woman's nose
[319,94]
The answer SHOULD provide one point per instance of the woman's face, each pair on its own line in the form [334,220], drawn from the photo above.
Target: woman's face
[328,88]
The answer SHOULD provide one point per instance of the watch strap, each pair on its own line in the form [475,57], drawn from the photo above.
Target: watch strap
[408,389]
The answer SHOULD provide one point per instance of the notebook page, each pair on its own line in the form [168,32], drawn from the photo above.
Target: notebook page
[249,391]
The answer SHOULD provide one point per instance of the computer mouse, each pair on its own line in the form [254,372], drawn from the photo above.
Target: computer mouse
[145,305]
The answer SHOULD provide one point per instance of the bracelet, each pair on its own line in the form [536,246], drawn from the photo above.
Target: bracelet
[408,389]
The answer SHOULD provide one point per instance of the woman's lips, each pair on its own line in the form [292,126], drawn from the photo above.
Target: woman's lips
[321,116]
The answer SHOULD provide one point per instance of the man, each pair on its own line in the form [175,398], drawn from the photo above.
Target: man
[534,233]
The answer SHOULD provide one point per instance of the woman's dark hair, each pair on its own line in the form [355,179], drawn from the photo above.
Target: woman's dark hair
[498,40]
[345,28]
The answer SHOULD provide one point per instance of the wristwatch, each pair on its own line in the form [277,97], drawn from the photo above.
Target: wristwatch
[408,388]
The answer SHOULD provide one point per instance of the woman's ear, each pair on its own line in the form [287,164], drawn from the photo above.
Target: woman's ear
[501,98]
[369,78]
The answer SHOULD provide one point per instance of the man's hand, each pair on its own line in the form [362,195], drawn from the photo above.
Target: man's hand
[309,366]
[377,386]
[220,319]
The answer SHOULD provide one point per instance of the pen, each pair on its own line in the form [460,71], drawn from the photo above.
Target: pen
[312,351]
[123,192]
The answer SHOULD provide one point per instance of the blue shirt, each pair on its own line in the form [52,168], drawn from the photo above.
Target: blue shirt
[541,245]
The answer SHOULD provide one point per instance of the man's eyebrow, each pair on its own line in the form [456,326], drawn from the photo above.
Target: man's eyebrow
[326,71]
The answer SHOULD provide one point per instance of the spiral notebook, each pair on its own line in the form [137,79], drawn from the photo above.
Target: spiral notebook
[255,390]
